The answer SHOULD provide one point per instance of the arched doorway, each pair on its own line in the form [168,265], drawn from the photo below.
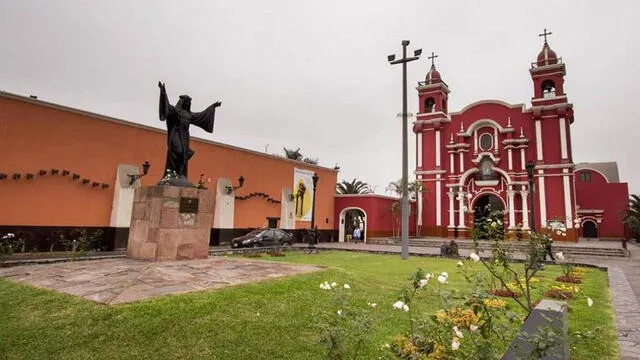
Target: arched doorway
[482,208]
[590,229]
[350,218]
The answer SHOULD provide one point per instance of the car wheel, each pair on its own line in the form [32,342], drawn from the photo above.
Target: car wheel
[287,244]
[256,245]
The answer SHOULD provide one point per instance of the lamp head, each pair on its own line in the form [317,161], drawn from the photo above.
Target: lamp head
[417,52]
[390,58]
[241,180]
[530,166]
[315,178]
[145,167]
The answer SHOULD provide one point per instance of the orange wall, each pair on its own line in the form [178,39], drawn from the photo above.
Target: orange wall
[35,136]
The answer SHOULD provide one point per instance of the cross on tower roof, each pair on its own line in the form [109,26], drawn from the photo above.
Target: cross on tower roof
[545,33]
[432,57]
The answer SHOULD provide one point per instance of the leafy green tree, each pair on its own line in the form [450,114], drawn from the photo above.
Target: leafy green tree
[631,216]
[354,186]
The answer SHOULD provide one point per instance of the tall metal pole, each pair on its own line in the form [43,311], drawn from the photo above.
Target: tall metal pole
[405,168]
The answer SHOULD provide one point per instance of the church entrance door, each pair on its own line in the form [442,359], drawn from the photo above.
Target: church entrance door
[590,229]
[484,205]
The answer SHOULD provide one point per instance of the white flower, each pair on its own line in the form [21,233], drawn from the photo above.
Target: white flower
[576,221]
[346,286]
[560,255]
[499,222]
[442,279]
[564,234]
[589,301]
[333,284]
[473,328]
[339,312]
[398,305]
[325,286]
[558,232]
[459,264]
[257,314]
[405,307]
[464,208]
[423,282]
[429,276]
[494,224]
[455,343]
[458,332]
[474,257]
[373,305]
[445,274]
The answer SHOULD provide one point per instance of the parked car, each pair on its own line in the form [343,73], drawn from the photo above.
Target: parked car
[263,237]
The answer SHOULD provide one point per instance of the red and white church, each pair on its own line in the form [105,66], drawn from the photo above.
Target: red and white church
[478,156]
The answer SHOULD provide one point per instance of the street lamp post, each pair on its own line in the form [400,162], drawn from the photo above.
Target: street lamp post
[530,166]
[315,178]
[405,192]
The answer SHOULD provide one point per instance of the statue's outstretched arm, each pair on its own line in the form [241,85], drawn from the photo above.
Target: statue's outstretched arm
[164,102]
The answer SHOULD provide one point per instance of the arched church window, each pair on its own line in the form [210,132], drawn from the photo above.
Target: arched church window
[429,105]
[486,142]
[548,89]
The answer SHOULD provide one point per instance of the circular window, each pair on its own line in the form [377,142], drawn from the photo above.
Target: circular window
[486,142]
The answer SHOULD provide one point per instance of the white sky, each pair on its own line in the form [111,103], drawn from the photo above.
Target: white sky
[314,74]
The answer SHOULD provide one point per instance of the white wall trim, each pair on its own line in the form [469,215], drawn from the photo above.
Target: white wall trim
[510,159]
[438,200]
[568,213]
[419,146]
[522,160]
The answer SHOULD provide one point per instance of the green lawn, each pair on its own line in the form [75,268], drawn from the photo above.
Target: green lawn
[276,319]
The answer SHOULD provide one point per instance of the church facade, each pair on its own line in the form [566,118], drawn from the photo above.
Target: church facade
[484,154]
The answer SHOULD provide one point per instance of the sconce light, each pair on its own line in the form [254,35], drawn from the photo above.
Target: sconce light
[42,172]
[76,176]
[231,189]
[201,182]
[29,176]
[3,176]
[95,184]
[145,170]
[85,181]
[65,172]
[54,171]
[291,197]
[16,176]
[104,186]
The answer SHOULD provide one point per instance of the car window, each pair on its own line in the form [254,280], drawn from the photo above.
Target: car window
[279,234]
[255,232]
[268,234]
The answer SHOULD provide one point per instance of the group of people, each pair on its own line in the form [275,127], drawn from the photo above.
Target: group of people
[450,249]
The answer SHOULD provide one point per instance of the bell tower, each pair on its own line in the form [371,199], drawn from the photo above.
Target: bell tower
[552,116]
[430,126]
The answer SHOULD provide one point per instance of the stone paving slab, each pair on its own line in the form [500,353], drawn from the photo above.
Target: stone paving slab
[118,281]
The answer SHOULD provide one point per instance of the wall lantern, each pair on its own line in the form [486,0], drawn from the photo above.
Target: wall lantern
[76,176]
[3,176]
[16,176]
[231,189]
[145,170]
[95,184]
[65,172]
[29,176]
[54,171]
[42,172]
[85,181]
[104,186]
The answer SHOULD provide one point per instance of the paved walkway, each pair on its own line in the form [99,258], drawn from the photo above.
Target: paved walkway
[118,281]
[624,281]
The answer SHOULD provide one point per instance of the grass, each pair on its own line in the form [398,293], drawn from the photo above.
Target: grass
[275,319]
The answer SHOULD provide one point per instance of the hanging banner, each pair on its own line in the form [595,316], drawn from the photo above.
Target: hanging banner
[303,194]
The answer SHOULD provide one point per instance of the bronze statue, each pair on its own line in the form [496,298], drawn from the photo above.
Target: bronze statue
[179,118]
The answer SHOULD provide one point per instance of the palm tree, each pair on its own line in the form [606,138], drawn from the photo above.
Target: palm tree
[631,216]
[293,154]
[413,187]
[353,187]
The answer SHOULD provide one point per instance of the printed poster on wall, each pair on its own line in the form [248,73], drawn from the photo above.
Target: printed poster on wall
[303,193]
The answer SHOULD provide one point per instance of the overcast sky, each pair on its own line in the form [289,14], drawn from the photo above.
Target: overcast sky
[314,74]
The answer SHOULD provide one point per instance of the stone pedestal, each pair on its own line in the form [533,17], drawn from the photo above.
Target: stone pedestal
[170,223]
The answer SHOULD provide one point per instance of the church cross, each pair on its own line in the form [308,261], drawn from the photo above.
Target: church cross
[545,33]
[432,57]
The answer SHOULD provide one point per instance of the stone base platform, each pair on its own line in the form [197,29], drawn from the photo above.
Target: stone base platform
[170,223]
[118,281]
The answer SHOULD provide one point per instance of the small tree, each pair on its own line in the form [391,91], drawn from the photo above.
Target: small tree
[631,216]
[293,154]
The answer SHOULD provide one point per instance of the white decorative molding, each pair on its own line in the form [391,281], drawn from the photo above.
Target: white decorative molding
[419,146]
[437,148]
[486,182]
[539,139]
[568,213]
[478,158]
[511,207]
[525,209]
[452,162]
[451,209]
[123,194]
[484,122]
[523,162]
[563,138]
[438,200]
[430,172]
[543,199]
[461,162]
[510,159]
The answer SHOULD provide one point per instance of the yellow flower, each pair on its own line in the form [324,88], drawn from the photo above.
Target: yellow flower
[495,303]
